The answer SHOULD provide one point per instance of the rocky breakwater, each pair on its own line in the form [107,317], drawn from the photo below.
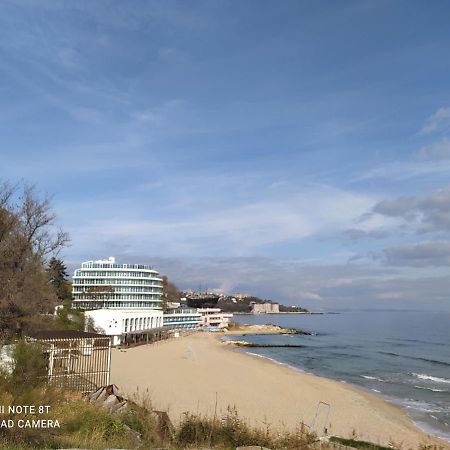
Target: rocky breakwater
[243,330]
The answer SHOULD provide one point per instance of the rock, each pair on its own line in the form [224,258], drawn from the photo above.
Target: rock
[108,397]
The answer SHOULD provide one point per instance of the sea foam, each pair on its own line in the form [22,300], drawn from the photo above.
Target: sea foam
[424,376]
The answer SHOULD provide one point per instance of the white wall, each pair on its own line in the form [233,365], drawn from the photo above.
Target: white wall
[115,322]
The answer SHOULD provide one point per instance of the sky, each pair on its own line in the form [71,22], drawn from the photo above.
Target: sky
[295,150]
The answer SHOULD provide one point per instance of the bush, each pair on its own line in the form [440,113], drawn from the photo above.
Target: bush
[231,431]
[29,365]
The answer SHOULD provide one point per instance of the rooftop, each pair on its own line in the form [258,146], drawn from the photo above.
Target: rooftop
[64,334]
[111,263]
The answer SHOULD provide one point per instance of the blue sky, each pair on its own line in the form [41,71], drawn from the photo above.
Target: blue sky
[294,150]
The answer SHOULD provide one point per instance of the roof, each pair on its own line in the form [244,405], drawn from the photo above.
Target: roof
[65,334]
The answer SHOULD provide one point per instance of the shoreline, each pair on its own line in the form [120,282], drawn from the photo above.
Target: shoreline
[196,372]
[281,312]
[245,347]
[424,427]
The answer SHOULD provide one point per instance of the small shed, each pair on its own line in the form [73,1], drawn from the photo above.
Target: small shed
[76,360]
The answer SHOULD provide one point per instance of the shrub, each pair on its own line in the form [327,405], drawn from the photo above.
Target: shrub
[29,365]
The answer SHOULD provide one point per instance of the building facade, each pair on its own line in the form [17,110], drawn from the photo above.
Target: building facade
[214,318]
[125,325]
[107,284]
[265,308]
[182,318]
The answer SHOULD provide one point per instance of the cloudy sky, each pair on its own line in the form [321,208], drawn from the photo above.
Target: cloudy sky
[295,150]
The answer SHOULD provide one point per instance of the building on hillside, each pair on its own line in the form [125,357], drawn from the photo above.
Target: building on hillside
[182,318]
[202,299]
[107,284]
[126,326]
[76,360]
[214,318]
[265,308]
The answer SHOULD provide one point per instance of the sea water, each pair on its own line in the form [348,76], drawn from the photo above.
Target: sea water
[403,356]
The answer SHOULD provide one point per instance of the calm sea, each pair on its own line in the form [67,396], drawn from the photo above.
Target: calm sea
[403,356]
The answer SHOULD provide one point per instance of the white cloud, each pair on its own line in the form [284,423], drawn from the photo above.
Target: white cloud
[401,170]
[439,150]
[438,121]
[241,227]
[293,281]
[309,296]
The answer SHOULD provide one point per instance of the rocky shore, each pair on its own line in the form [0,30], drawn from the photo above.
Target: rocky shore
[263,329]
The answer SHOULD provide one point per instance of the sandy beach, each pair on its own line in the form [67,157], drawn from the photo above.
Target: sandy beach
[200,374]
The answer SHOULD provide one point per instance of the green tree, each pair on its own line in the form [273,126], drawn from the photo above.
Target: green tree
[57,273]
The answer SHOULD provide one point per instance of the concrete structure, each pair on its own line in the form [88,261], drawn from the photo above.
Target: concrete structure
[125,325]
[214,318]
[106,284]
[6,358]
[265,308]
[182,318]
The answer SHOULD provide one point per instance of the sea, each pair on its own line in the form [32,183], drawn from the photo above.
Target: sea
[403,356]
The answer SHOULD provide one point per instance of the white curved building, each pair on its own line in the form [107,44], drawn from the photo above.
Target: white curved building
[106,284]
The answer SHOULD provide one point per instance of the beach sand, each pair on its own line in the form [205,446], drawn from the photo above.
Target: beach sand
[197,372]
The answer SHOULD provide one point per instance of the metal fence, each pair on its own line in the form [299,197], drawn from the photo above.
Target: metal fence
[78,363]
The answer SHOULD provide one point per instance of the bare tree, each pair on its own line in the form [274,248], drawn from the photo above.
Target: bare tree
[38,223]
[28,236]
[170,293]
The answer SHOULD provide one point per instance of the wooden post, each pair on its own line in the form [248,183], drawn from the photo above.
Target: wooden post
[51,361]
[109,363]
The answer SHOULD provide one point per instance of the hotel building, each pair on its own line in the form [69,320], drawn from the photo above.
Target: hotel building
[106,284]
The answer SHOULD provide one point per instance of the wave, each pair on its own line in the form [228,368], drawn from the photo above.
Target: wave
[417,358]
[423,376]
[422,406]
[417,341]
[430,389]
[277,362]
[368,377]
[433,361]
[390,354]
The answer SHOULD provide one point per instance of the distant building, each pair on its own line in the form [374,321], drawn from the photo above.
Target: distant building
[201,299]
[214,318]
[265,308]
[182,318]
[106,284]
[126,326]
